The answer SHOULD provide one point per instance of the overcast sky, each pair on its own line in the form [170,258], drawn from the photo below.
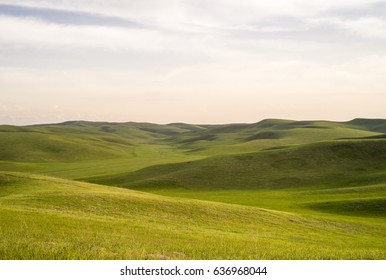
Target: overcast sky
[194,61]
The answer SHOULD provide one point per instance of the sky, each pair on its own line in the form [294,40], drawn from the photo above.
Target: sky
[193,61]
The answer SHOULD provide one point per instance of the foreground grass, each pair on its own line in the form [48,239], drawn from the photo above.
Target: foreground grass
[47,218]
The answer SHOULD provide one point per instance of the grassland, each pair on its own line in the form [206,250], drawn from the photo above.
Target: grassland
[44,217]
[277,189]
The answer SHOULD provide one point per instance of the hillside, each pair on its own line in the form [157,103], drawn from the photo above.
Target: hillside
[270,133]
[74,141]
[81,149]
[341,177]
[50,218]
[311,165]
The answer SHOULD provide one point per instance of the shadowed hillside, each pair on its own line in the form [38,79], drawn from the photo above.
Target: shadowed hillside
[312,165]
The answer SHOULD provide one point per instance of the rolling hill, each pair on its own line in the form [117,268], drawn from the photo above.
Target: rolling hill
[275,189]
[319,164]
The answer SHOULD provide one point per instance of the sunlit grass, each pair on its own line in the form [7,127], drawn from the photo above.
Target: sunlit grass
[46,218]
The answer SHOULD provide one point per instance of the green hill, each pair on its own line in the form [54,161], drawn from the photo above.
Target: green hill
[78,140]
[80,149]
[81,140]
[271,133]
[377,125]
[334,176]
[321,164]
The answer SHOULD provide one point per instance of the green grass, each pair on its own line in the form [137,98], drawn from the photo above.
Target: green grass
[277,189]
[373,207]
[49,218]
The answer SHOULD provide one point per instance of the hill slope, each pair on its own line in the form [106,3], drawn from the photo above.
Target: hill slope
[74,141]
[340,177]
[48,218]
[312,165]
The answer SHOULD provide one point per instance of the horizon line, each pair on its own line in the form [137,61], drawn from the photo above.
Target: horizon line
[181,122]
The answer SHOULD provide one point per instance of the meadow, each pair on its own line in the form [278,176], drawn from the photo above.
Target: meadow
[276,189]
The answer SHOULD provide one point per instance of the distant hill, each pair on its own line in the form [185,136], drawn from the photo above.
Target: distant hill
[82,140]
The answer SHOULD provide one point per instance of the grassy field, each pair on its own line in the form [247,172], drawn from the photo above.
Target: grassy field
[277,189]
[44,217]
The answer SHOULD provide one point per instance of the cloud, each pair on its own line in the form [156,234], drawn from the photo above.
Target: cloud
[190,17]
[174,13]
[35,33]
[370,9]
[369,27]
[366,27]
[65,17]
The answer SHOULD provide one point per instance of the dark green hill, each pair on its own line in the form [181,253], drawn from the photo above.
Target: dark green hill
[377,125]
[346,177]
[314,165]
